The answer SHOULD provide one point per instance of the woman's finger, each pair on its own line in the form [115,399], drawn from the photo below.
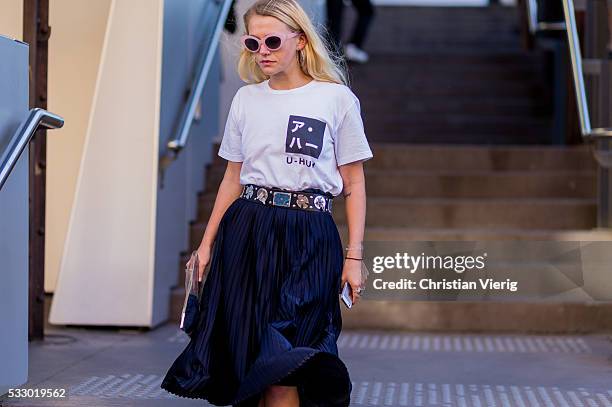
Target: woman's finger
[355,295]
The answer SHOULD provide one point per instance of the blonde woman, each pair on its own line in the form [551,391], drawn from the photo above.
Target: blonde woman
[270,313]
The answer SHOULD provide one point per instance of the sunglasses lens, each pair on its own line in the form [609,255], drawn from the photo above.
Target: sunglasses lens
[251,44]
[273,42]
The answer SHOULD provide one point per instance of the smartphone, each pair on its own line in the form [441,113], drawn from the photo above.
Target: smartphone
[346,296]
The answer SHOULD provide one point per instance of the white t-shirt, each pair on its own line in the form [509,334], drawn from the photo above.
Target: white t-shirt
[294,139]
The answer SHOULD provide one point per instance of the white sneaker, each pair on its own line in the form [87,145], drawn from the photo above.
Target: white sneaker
[354,53]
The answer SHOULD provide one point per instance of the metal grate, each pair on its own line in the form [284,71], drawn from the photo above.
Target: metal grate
[375,393]
[473,395]
[137,386]
[452,343]
[463,343]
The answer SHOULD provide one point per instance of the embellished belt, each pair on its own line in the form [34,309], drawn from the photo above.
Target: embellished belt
[309,201]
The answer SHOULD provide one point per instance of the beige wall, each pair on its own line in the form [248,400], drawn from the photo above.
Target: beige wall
[11,19]
[75,52]
[106,222]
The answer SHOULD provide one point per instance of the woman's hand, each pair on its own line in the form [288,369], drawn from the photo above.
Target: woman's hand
[351,272]
[203,259]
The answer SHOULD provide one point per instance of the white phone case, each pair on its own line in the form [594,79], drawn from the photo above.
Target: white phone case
[346,296]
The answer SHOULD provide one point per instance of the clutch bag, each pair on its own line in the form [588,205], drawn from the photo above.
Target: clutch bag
[191,304]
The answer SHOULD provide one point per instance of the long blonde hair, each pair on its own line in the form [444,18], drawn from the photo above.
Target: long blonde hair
[316,59]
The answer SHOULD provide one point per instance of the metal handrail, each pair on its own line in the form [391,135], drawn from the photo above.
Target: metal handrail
[535,26]
[176,144]
[576,60]
[570,27]
[37,117]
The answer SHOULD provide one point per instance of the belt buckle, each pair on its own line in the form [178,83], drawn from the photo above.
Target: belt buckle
[320,201]
[281,198]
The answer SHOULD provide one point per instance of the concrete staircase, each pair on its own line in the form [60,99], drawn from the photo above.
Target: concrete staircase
[423,193]
[459,129]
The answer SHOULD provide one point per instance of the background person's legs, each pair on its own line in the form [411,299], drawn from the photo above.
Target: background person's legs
[334,23]
[365,13]
[353,50]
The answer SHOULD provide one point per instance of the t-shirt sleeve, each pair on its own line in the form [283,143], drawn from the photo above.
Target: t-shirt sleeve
[350,142]
[231,144]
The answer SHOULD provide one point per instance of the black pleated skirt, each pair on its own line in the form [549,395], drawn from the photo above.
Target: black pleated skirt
[270,311]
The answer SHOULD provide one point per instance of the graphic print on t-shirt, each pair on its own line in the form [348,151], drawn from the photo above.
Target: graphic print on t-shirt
[304,136]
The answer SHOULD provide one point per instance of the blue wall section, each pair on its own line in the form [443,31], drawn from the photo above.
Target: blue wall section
[184,32]
[14,220]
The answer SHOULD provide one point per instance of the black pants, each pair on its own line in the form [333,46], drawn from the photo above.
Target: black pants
[365,12]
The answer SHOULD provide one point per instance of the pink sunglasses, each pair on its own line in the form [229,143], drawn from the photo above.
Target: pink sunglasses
[273,41]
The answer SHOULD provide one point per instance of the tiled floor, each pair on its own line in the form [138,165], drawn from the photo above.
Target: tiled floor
[124,368]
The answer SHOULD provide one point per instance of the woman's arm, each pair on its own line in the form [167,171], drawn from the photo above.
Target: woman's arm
[355,202]
[229,191]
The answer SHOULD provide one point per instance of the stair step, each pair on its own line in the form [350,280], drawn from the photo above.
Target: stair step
[390,133]
[410,67]
[450,121]
[394,233]
[507,61]
[477,133]
[462,316]
[366,91]
[436,107]
[466,184]
[512,185]
[448,14]
[376,233]
[463,213]
[404,156]
[490,316]
[403,23]
[401,81]
[491,213]
[491,40]
[395,156]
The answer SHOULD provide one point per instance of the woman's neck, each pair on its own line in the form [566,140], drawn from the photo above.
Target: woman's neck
[282,81]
